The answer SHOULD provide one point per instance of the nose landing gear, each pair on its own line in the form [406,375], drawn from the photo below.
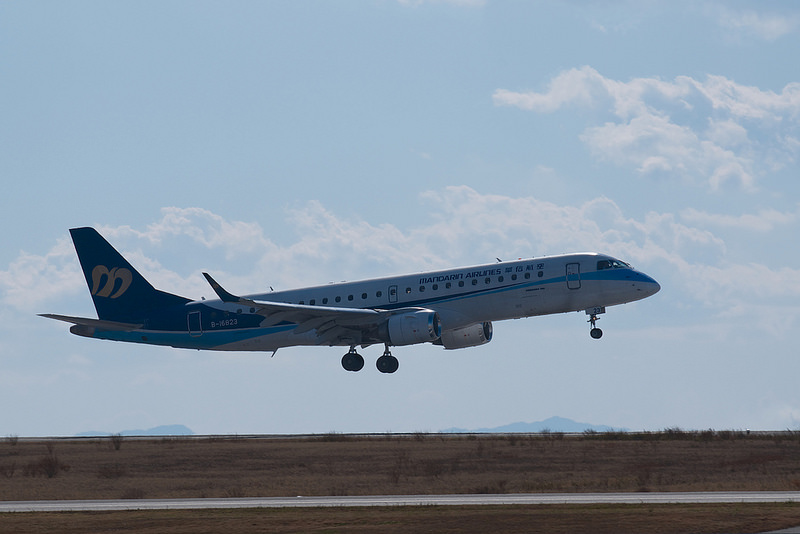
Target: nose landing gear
[595,332]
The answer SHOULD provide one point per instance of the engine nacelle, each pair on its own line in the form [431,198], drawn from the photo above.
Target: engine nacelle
[469,336]
[422,326]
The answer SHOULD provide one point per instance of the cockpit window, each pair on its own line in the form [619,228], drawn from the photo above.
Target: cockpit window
[612,264]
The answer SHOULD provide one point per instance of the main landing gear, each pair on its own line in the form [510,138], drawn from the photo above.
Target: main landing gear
[387,363]
[353,361]
[595,332]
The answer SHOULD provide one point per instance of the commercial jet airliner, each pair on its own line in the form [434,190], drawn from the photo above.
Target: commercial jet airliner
[453,308]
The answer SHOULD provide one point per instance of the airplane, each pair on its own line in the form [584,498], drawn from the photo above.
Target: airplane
[452,308]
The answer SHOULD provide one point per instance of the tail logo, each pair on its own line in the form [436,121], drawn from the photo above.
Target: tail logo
[101,274]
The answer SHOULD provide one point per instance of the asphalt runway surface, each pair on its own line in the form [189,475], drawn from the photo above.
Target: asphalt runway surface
[405,500]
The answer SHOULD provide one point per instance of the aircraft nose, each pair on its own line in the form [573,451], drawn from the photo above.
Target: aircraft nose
[649,285]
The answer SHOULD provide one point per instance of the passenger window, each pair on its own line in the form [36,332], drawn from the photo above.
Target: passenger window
[312,302]
[448,285]
[408,291]
[500,279]
[422,289]
[349,297]
[474,281]
[488,280]
[461,283]
[363,296]
[435,287]
[541,274]
[378,294]
[527,276]
[513,276]
[338,299]
[325,300]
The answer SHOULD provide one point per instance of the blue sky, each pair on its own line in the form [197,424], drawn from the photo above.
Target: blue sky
[294,143]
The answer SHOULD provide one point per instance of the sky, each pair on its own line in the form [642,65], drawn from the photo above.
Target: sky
[286,144]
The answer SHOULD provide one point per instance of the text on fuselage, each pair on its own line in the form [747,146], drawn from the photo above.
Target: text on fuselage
[482,273]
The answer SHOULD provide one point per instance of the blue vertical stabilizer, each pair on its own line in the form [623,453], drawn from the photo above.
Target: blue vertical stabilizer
[119,292]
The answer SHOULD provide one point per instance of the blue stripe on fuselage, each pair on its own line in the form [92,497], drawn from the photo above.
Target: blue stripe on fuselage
[472,294]
[208,340]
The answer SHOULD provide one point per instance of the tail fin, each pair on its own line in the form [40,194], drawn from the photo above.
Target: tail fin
[119,292]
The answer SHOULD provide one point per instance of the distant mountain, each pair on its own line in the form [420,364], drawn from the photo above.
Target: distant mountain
[163,430]
[553,424]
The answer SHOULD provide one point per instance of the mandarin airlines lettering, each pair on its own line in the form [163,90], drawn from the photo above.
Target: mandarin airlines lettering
[478,274]
[441,278]
[378,311]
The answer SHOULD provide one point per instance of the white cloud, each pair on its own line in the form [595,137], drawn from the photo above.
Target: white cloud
[203,227]
[726,133]
[731,133]
[655,144]
[576,86]
[747,102]
[32,279]
[763,221]
[739,287]
[766,26]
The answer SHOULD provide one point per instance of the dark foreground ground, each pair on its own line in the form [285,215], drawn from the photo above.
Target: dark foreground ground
[612,519]
[420,464]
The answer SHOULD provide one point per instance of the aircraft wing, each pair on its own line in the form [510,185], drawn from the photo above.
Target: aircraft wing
[332,324]
[96,323]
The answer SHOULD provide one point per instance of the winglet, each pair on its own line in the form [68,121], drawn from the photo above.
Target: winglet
[221,293]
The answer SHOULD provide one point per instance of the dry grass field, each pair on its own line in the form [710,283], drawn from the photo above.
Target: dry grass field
[334,464]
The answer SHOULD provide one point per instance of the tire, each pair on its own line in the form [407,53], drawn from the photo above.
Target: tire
[387,364]
[352,361]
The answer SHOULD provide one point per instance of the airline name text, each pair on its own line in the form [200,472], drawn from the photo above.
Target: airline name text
[479,274]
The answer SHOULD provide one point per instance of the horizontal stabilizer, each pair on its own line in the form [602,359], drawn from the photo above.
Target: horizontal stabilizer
[96,323]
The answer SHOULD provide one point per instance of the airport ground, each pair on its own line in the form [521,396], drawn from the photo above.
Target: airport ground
[335,464]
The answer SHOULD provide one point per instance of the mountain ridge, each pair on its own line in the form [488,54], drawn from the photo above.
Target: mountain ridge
[552,424]
[162,430]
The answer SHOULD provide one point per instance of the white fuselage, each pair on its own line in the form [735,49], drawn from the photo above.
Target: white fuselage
[461,296]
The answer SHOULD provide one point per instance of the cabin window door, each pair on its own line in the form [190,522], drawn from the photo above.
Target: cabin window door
[574,275]
[195,326]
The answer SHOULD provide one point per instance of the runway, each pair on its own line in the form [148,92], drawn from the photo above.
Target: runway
[404,500]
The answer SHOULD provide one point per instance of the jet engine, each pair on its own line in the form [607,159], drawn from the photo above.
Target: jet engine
[469,336]
[420,326]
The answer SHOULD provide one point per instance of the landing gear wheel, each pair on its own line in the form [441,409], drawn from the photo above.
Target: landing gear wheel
[352,361]
[387,363]
[595,332]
